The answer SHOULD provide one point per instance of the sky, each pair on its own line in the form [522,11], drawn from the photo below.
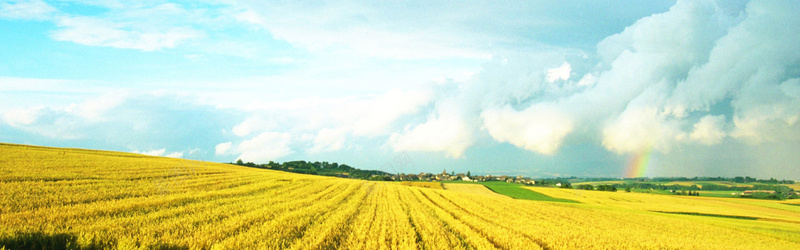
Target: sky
[533,88]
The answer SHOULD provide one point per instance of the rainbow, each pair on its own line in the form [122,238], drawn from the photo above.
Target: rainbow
[637,165]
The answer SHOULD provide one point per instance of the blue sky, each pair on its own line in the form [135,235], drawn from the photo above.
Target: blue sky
[543,89]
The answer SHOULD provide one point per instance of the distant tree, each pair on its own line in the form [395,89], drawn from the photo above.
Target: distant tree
[628,189]
[609,188]
[239,162]
[468,175]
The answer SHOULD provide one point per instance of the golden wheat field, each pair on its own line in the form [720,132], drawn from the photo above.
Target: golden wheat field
[71,198]
[472,189]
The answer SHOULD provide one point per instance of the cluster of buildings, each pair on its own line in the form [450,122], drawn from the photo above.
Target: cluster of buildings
[444,176]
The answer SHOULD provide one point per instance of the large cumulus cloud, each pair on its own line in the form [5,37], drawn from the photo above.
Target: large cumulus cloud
[538,128]
[698,75]
[749,60]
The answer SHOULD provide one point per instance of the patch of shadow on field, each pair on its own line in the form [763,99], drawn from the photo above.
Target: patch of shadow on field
[40,241]
[731,216]
[712,215]
[61,241]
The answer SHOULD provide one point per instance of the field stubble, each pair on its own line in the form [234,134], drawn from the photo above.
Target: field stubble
[80,198]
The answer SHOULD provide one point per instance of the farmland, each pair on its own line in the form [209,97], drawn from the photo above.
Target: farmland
[74,198]
[512,190]
[471,189]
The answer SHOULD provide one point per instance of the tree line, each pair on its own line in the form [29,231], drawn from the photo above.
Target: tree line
[317,168]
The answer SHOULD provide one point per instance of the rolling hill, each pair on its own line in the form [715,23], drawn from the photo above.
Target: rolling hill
[57,198]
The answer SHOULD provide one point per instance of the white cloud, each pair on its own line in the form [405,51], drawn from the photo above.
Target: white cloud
[666,70]
[639,129]
[375,116]
[94,109]
[46,121]
[560,73]
[328,140]
[538,128]
[223,148]
[753,66]
[348,28]
[23,117]
[762,43]
[265,147]
[447,131]
[155,152]
[767,111]
[587,80]
[659,49]
[63,122]
[333,124]
[27,10]
[250,16]
[444,134]
[100,32]
[708,130]
[118,121]
[175,155]
[253,124]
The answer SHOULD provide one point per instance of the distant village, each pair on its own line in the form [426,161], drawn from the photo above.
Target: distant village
[444,176]
[751,187]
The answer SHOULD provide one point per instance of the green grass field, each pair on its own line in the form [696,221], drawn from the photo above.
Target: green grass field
[723,194]
[515,191]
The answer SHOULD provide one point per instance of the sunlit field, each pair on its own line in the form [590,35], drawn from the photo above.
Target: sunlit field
[70,198]
[471,188]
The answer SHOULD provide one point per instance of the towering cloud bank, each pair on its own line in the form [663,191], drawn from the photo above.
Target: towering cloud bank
[696,74]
